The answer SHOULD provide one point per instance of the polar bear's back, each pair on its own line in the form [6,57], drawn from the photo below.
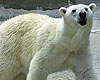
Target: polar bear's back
[18,39]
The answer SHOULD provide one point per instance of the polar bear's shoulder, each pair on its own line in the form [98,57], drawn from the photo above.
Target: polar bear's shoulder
[26,22]
[31,17]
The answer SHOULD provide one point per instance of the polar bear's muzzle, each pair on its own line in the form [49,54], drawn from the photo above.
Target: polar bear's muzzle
[82,15]
[82,18]
[82,22]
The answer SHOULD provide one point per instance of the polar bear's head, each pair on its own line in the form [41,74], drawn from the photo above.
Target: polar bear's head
[79,14]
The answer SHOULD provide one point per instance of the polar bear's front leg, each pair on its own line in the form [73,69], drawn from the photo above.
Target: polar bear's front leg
[37,71]
[44,62]
[88,74]
[84,66]
[37,74]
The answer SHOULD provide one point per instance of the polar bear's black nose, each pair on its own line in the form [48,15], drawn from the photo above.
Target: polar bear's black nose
[82,15]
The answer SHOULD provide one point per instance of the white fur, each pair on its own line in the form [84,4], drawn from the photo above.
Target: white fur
[38,45]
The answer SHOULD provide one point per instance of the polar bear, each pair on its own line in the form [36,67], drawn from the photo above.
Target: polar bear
[38,45]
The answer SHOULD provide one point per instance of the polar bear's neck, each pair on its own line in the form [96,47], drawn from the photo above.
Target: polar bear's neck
[71,36]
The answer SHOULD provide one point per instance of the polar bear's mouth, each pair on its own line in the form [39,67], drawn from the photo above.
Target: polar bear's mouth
[82,22]
[82,18]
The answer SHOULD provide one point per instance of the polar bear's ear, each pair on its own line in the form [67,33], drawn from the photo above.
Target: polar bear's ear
[62,11]
[92,6]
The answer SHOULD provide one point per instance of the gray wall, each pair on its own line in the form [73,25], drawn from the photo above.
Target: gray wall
[87,1]
[33,4]
[41,4]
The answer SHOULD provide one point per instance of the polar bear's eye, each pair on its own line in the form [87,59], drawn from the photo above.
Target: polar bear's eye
[73,11]
[86,9]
